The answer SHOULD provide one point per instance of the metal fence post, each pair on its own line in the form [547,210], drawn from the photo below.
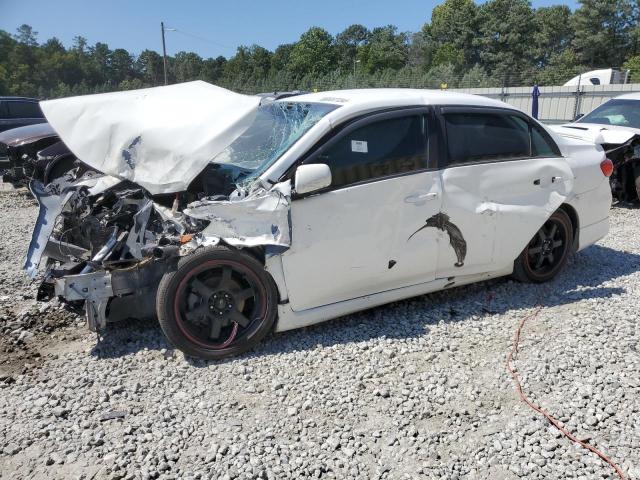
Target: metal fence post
[578,100]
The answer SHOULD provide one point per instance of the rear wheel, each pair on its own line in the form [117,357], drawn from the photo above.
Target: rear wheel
[217,303]
[547,252]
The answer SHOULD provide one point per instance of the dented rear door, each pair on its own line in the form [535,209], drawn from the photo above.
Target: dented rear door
[504,178]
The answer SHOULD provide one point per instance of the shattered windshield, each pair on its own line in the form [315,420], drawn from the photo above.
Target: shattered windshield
[621,113]
[277,126]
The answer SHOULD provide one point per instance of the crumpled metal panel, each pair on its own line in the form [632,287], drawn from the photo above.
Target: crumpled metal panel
[260,218]
[159,138]
[51,206]
[52,200]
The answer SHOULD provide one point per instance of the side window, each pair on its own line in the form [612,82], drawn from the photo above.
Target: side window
[3,110]
[18,109]
[541,144]
[379,149]
[473,137]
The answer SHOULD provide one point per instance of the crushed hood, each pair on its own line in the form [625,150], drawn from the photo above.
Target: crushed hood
[596,133]
[160,138]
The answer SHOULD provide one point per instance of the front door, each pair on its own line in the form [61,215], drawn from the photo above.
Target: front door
[367,233]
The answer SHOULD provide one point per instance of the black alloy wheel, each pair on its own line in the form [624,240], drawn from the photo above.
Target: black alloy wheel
[217,303]
[548,250]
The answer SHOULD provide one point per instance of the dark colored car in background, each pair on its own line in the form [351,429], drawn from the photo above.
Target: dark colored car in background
[18,112]
[33,151]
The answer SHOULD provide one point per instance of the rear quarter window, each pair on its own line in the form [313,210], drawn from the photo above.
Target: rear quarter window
[542,145]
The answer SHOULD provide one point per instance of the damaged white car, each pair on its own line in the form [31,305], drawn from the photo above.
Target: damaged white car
[227,218]
[615,125]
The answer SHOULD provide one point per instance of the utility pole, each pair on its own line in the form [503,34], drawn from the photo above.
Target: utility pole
[164,54]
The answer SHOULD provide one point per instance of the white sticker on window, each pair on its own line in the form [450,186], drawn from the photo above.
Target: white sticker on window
[359,146]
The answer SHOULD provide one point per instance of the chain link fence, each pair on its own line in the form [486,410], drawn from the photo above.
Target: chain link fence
[557,104]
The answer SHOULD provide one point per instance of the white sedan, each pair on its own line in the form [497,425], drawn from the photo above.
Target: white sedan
[304,209]
[615,125]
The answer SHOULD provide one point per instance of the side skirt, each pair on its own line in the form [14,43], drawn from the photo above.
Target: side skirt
[288,319]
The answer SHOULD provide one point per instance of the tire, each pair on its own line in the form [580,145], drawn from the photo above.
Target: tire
[217,303]
[547,252]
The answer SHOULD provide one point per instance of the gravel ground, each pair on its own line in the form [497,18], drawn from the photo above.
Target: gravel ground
[415,389]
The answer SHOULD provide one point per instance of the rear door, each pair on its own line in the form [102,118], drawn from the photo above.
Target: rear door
[504,177]
[365,234]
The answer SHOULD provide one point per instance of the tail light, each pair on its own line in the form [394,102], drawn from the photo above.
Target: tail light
[607,167]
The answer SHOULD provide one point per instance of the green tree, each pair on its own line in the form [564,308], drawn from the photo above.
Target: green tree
[633,65]
[454,24]
[22,61]
[150,67]
[386,49]
[186,66]
[476,77]
[420,50]
[347,43]
[213,68]
[603,31]
[506,30]
[121,66]
[100,63]
[562,67]
[313,53]
[553,32]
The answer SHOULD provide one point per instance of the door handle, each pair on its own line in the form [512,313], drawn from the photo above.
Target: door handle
[554,179]
[421,197]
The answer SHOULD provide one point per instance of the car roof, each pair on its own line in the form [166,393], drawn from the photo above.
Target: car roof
[393,97]
[629,96]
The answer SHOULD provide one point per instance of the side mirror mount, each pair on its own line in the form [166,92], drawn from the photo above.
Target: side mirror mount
[311,178]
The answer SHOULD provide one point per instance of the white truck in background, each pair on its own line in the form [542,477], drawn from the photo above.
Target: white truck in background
[606,76]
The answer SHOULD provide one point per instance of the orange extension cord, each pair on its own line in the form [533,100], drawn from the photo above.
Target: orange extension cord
[554,422]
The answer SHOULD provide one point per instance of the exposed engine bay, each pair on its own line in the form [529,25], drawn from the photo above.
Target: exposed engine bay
[154,187]
[108,242]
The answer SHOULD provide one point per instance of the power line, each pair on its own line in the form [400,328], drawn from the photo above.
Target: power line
[203,39]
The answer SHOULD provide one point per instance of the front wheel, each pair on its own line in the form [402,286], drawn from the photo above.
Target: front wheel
[547,252]
[217,303]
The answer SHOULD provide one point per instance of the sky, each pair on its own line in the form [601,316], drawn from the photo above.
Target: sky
[209,28]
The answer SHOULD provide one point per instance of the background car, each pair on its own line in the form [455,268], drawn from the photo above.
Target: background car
[18,112]
[615,125]
[33,152]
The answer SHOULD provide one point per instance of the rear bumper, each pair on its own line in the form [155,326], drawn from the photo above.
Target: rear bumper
[592,233]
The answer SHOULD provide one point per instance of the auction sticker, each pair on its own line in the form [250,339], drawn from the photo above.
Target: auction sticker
[359,146]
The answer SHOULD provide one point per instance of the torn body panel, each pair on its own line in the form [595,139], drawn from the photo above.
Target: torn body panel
[260,218]
[108,240]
